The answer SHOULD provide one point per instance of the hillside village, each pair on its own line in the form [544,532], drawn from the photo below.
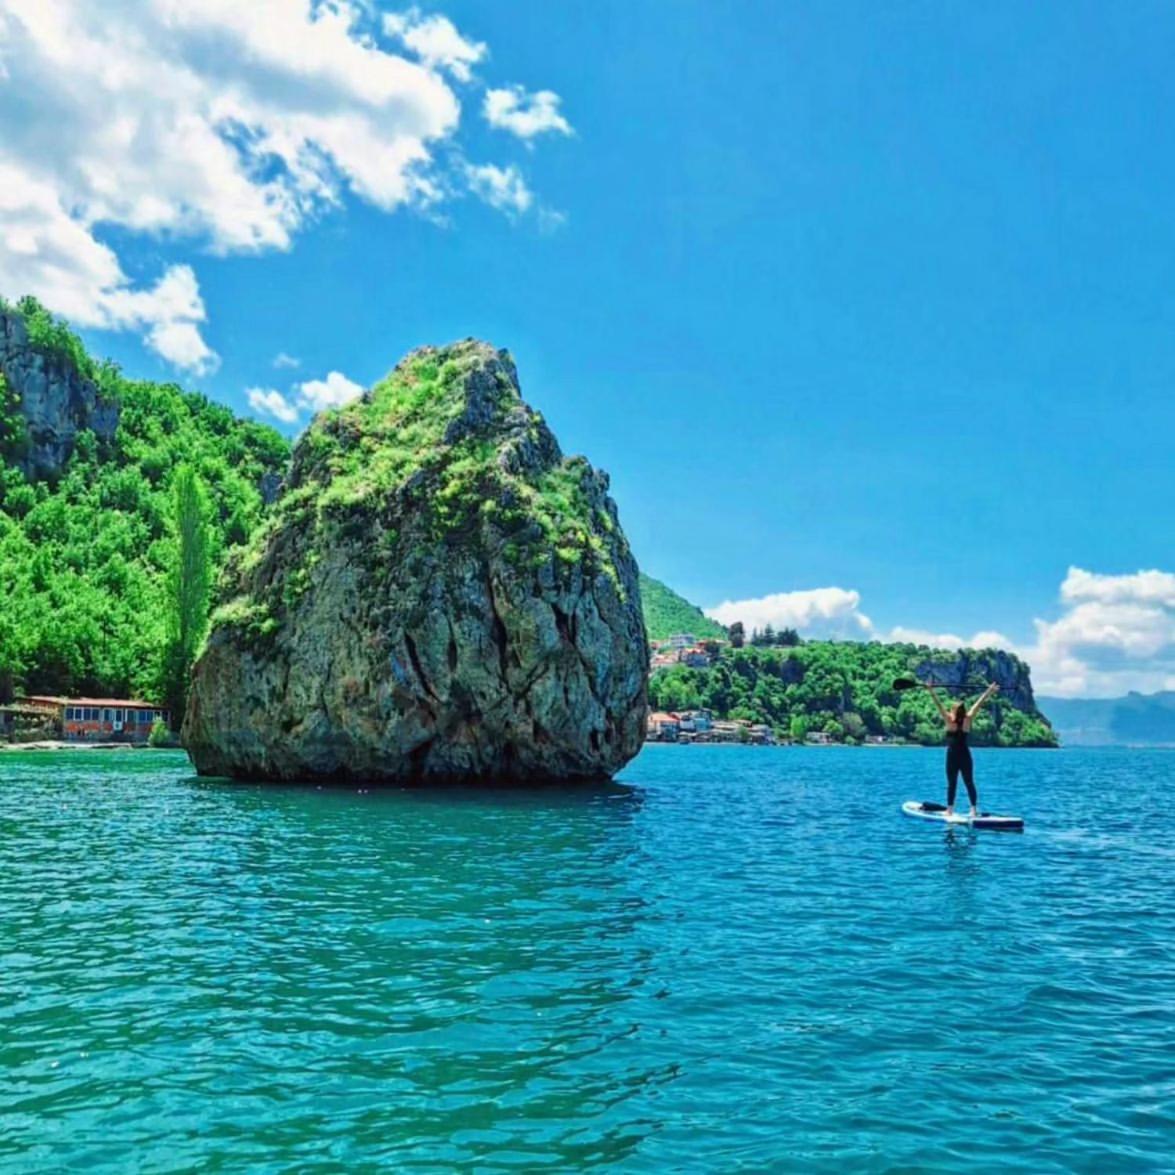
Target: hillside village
[700,725]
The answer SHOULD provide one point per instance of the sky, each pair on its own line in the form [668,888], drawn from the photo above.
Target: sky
[866,308]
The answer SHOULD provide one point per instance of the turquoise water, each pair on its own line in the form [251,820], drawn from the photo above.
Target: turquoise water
[745,958]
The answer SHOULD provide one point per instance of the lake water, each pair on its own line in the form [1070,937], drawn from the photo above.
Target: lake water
[743,958]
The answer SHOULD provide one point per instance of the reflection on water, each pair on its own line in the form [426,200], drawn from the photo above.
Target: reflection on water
[732,957]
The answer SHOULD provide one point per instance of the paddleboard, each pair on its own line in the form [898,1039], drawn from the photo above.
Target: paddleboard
[928,810]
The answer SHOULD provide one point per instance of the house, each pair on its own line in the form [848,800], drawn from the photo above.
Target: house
[762,734]
[698,721]
[682,640]
[662,727]
[101,719]
[818,738]
[727,732]
[695,658]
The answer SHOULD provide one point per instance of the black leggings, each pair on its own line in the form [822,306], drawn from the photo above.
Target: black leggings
[959,759]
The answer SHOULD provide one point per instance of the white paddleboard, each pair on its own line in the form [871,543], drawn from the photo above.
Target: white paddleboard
[928,810]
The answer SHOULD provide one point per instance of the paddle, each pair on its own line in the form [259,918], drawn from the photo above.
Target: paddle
[904,683]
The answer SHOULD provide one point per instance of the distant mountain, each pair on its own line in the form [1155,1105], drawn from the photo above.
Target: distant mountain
[667,613]
[1136,720]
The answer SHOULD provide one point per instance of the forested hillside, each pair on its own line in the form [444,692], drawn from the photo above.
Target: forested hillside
[87,531]
[667,613]
[846,690]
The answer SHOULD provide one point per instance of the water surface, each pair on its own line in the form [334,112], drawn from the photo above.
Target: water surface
[737,958]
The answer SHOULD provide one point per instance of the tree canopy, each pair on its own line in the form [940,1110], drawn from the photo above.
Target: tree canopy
[85,558]
[845,689]
[667,613]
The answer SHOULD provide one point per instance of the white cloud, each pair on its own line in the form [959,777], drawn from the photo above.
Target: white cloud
[526,115]
[825,611]
[332,392]
[182,344]
[282,360]
[947,640]
[502,188]
[436,41]
[46,252]
[1149,587]
[270,402]
[1115,633]
[224,124]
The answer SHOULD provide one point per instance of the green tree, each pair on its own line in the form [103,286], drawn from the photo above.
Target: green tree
[189,583]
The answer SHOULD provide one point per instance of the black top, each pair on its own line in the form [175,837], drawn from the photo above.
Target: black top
[957,737]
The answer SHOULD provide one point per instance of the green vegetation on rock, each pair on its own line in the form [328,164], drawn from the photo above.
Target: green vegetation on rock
[845,689]
[414,440]
[667,613]
[85,552]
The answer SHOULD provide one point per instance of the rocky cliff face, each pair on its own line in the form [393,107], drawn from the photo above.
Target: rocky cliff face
[438,594]
[54,398]
[969,666]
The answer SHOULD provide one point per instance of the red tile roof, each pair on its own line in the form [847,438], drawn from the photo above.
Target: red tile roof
[112,703]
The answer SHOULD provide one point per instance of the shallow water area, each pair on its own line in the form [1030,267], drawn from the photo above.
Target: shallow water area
[733,958]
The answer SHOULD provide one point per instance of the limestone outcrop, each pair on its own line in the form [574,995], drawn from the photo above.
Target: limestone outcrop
[437,594]
[55,400]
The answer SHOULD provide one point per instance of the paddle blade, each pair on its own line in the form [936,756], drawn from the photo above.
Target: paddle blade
[906,683]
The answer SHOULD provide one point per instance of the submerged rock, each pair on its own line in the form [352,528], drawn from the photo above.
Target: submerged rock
[438,594]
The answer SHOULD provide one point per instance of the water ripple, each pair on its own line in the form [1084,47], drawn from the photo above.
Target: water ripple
[739,959]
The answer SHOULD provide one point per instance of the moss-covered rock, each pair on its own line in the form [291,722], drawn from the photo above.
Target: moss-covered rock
[438,593]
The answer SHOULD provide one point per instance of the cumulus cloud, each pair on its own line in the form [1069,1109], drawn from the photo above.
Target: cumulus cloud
[46,251]
[1115,633]
[1148,587]
[525,114]
[332,392]
[222,124]
[830,611]
[948,640]
[270,402]
[313,395]
[436,41]
[500,187]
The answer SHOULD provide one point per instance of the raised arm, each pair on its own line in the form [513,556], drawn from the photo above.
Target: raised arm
[945,716]
[991,689]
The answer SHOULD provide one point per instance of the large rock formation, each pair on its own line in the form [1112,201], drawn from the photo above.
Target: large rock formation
[55,400]
[439,594]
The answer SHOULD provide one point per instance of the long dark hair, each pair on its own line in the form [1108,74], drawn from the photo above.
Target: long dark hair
[960,715]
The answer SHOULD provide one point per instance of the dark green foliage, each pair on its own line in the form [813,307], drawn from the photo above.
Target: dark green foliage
[667,613]
[785,638]
[84,562]
[845,689]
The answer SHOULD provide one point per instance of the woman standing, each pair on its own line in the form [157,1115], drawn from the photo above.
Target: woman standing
[958,723]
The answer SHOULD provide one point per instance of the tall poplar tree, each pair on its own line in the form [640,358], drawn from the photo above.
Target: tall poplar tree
[189,584]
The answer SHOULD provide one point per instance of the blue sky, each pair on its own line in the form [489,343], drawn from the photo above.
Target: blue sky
[870,303]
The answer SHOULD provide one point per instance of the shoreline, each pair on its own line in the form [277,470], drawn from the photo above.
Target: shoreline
[62,745]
